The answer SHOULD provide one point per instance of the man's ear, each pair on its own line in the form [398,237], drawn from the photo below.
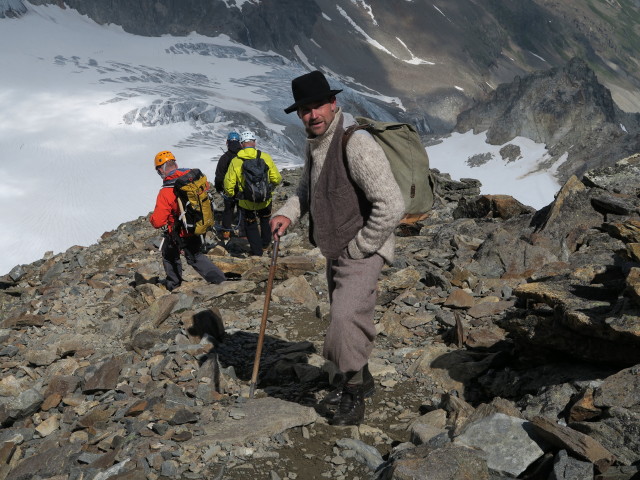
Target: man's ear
[333,101]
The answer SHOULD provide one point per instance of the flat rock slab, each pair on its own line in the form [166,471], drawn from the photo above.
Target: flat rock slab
[260,417]
[620,390]
[506,441]
[579,444]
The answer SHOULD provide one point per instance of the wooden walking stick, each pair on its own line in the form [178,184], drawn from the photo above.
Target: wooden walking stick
[265,312]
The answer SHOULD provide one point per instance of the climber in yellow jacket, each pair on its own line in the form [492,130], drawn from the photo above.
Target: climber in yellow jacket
[251,178]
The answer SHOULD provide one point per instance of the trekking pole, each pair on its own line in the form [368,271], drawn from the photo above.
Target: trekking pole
[265,311]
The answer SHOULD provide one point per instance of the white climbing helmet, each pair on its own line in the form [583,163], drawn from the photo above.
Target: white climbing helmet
[247,136]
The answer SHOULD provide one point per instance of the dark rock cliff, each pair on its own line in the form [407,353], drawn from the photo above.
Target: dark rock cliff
[267,25]
[565,108]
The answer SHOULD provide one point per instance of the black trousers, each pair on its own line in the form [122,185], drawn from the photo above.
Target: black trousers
[256,225]
[191,247]
[227,215]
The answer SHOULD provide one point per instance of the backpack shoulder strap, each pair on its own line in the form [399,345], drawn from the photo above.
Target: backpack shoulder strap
[257,157]
[171,183]
[348,132]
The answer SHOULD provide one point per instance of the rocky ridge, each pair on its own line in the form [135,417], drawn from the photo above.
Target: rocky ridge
[507,348]
[567,109]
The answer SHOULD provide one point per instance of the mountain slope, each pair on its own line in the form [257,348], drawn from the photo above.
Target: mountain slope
[437,57]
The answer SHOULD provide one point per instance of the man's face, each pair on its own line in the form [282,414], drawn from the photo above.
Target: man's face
[316,117]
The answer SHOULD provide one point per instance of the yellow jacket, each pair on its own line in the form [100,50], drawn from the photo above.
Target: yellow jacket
[234,180]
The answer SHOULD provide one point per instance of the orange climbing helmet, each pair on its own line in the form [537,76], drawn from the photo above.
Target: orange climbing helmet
[163,157]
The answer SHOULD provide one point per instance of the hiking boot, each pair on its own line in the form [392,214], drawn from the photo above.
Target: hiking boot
[332,398]
[351,408]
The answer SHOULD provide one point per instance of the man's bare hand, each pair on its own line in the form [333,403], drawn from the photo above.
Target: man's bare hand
[279,225]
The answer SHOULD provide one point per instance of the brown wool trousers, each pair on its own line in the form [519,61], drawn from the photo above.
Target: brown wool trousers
[352,294]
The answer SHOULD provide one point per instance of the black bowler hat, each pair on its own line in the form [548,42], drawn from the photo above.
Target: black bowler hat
[309,88]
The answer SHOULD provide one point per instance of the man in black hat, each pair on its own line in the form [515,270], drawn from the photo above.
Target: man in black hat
[354,204]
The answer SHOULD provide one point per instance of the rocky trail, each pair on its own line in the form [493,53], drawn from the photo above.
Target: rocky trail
[508,347]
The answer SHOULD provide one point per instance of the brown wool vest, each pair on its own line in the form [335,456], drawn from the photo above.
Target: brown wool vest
[338,207]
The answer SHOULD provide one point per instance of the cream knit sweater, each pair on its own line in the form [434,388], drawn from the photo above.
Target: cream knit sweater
[370,170]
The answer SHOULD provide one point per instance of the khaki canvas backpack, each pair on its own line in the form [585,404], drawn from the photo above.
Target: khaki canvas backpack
[409,163]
